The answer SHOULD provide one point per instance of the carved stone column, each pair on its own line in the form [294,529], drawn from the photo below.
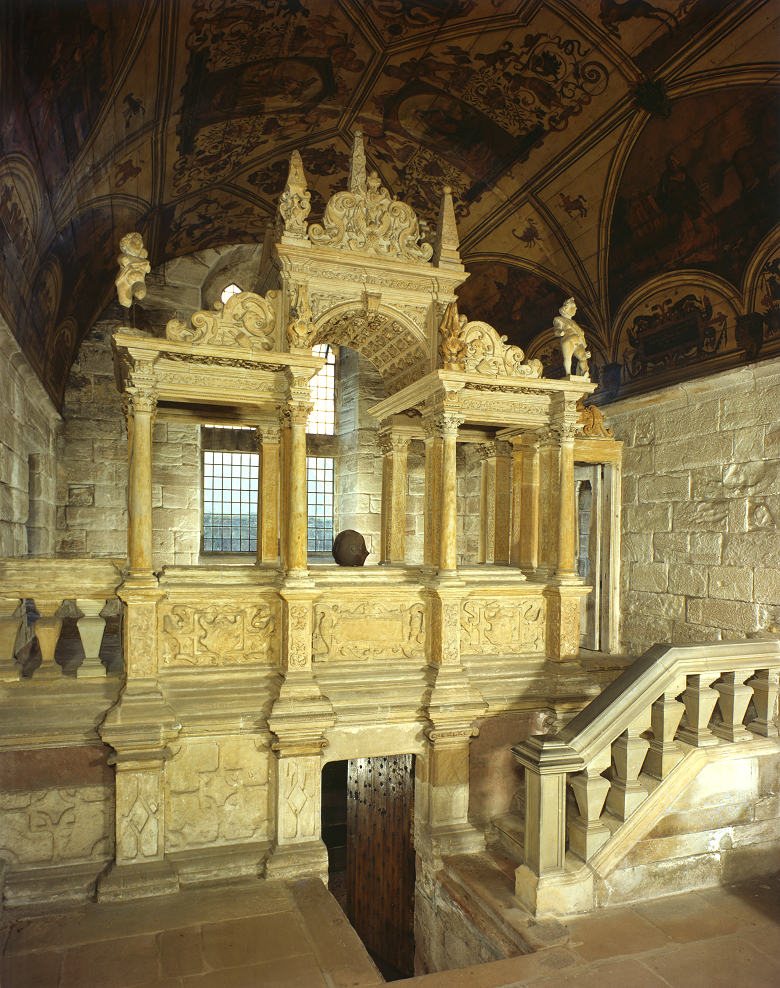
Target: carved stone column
[503,504]
[10,622]
[142,403]
[567,529]
[299,408]
[487,503]
[433,457]
[447,424]
[268,441]
[393,534]
[299,718]
[549,487]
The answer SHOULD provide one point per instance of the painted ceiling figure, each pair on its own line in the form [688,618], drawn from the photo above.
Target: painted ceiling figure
[698,238]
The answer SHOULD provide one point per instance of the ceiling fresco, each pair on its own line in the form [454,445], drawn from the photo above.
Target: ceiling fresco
[622,152]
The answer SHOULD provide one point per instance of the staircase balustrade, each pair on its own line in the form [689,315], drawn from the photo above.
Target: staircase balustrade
[671,701]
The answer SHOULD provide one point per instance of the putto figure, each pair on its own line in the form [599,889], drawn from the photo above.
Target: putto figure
[133,268]
[572,339]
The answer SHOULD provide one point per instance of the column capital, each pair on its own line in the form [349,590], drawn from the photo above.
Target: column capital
[141,398]
[267,435]
[447,423]
[393,442]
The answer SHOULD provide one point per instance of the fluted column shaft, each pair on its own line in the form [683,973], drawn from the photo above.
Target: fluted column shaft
[393,536]
[433,446]
[142,405]
[297,531]
[566,513]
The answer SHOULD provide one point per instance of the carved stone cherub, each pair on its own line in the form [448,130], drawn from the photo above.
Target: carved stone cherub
[572,338]
[133,268]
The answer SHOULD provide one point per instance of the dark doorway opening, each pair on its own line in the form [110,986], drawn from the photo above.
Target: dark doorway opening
[367,827]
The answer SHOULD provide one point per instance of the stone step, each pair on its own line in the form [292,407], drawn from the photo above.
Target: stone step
[483,886]
[508,833]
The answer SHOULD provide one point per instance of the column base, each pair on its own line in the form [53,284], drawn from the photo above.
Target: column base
[139,579]
[138,880]
[560,894]
[306,860]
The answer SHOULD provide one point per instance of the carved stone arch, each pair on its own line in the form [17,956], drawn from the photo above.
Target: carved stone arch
[754,286]
[389,339]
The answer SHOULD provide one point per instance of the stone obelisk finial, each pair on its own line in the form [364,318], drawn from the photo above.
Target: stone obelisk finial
[294,203]
[357,166]
[445,243]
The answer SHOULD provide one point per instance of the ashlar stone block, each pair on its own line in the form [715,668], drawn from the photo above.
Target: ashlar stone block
[766,586]
[671,547]
[665,487]
[651,577]
[688,580]
[701,516]
[752,549]
[647,518]
[731,583]
[734,615]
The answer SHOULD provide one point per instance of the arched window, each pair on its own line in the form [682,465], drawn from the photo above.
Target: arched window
[230,291]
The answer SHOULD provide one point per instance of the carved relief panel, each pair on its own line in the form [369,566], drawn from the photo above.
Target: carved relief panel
[219,634]
[502,626]
[217,793]
[369,630]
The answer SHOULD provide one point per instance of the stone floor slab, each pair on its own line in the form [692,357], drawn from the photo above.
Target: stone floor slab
[614,933]
[734,960]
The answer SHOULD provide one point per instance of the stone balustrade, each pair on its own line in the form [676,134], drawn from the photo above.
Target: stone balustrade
[672,701]
[48,583]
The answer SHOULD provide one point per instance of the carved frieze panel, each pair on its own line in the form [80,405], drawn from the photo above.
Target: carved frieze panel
[217,793]
[502,626]
[57,825]
[369,630]
[219,634]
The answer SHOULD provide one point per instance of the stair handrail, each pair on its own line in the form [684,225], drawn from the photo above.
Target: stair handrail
[614,723]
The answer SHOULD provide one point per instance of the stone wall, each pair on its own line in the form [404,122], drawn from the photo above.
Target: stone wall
[701,509]
[28,456]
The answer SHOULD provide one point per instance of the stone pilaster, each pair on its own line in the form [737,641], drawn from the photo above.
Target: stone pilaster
[528,550]
[140,728]
[299,719]
[268,440]
[393,532]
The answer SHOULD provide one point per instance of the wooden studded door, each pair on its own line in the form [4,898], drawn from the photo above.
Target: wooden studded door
[380,856]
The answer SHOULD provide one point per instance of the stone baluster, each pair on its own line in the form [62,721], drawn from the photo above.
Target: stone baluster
[47,630]
[765,688]
[699,700]
[734,700]
[546,760]
[432,532]
[393,534]
[626,792]
[665,715]
[587,833]
[267,439]
[11,616]
[91,629]
[447,423]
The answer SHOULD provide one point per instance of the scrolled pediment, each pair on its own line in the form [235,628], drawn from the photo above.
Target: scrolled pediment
[245,320]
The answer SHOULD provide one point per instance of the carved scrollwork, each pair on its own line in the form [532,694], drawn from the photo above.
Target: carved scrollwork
[295,201]
[245,320]
[503,627]
[592,422]
[219,634]
[369,630]
[300,328]
[366,218]
[452,347]
[487,353]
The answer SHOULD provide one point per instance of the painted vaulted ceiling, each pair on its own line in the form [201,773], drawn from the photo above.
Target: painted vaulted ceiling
[622,152]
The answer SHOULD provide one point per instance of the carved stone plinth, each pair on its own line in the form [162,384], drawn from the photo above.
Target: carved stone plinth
[563,619]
